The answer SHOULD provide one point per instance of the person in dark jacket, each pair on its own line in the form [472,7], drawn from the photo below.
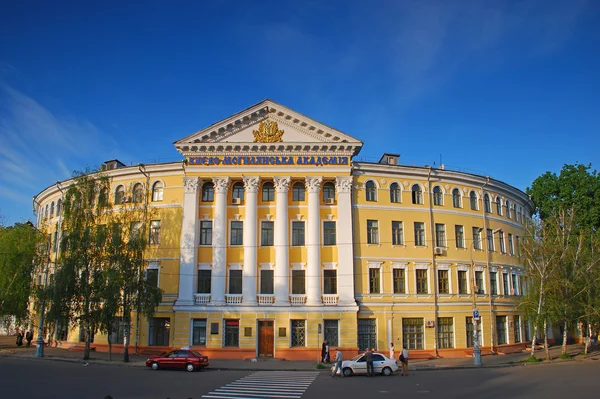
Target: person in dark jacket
[323,351]
[369,359]
[29,337]
[19,338]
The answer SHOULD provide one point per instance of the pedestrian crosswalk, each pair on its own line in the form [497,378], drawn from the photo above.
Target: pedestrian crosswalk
[265,385]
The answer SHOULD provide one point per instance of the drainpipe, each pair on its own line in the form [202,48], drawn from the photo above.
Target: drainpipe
[487,261]
[434,266]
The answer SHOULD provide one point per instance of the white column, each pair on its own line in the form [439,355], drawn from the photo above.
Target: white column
[188,245]
[313,242]
[345,244]
[250,240]
[282,256]
[219,241]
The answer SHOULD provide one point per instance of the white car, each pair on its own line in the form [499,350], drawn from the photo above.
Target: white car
[358,365]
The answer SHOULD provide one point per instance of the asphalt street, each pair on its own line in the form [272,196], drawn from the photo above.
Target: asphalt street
[30,378]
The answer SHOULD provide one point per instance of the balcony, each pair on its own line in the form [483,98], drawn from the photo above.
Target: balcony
[297,300]
[233,299]
[329,299]
[201,299]
[265,299]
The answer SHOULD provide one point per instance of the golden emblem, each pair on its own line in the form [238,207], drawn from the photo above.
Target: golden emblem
[268,132]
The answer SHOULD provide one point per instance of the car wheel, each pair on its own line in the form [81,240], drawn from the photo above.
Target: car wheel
[189,367]
[347,372]
[154,366]
[386,371]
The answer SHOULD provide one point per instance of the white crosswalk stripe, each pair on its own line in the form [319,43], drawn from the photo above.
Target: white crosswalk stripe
[266,385]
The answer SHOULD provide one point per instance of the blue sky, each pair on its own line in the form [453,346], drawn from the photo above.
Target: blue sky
[508,89]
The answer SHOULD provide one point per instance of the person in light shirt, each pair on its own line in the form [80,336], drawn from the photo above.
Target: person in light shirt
[404,360]
[338,363]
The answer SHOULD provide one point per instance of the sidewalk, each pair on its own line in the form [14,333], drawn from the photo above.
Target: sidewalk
[9,349]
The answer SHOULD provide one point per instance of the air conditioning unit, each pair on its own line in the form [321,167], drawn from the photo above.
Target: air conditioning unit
[126,199]
[429,323]
[330,201]
[236,201]
[438,250]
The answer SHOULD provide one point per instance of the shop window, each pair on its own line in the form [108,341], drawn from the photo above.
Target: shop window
[231,336]
[199,332]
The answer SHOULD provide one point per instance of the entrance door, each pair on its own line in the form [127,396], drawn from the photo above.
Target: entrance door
[265,338]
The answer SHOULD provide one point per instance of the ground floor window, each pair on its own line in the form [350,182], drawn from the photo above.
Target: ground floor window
[367,334]
[412,333]
[517,328]
[231,337]
[527,332]
[117,335]
[298,333]
[331,332]
[199,332]
[470,329]
[82,334]
[501,329]
[160,328]
[445,332]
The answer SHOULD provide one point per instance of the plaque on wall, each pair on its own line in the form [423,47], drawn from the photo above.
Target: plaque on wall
[214,328]
[282,331]
[247,331]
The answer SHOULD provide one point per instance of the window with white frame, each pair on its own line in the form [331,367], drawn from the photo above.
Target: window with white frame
[459,233]
[421,279]
[266,282]
[331,331]
[493,283]
[445,332]
[237,191]
[237,233]
[329,233]
[443,282]
[417,194]
[490,240]
[505,284]
[501,238]
[298,282]
[298,334]
[511,246]
[298,192]
[138,193]
[508,209]
[479,282]
[157,191]
[477,238]
[204,281]
[413,334]
[199,332]
[298,232]
[440,235]
[370,191]
[152,274]
[486,203]
[419,233]
[208,192]
[154,238]
[462,282]
[438,196]
[267,233]
[399,278]
[206,232]
[395,193]
[235,281]
[372,232]
[499,206]
[330,281]
[52,209]
[268,192]
[375,278]
[397,233]
[514,284]
[473,201]
[328,191]
[456,198]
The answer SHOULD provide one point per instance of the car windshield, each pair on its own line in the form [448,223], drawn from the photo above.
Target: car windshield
[197,353]
[357,358]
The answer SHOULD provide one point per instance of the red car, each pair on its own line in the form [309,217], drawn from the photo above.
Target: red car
[178,359]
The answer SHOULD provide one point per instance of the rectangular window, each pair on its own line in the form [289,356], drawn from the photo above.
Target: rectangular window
[470,332]
[479,282]
[493,283]
[514,284]
[399,281]
[517,328]
[440,235]
[477,238]
[412,333]
[443,285]
[328,233]
[518,245]
[199,332]
[297,234]
[501,329]
[159,329]
[419,233]
[459,233]
[54,241]
[501,238]
[397,233]
[445,332]
[462,282]
[331,331]
[237,233]
[511,246]
[330,282]
[152,277]
[505,283]
[206,232]
[267,234]
[372,232]
[490,240]
[266,282]
[204,281]
[154,238]
[374,283]
[235,282]
[421,281]
[117,335]
[367,334]
[298,282]
[231,337]
[298,333]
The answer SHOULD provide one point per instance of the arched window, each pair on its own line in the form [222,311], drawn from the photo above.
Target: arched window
[46,215]
[52,209]
[157,191]
[238,191]
[473,199]
[499,205]
[208,192]
[456,198]
[438,197]
[417,194]
[486,203]
[268,192]
[298,192]
[119,195]
[138,193]
[395,193]
[328,191]
[370,191]
[58,207]
[515,212]
[508,209]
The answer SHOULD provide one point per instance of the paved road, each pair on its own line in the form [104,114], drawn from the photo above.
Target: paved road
[28,378]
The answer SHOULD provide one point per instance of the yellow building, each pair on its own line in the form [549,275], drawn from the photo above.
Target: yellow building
[269,239]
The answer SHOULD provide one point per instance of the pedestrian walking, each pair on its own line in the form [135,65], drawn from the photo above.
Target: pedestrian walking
[404,360]
[19,338]
[29,337]
[392,350]
[369,359]
[338,363]
[327,356]
[323,351]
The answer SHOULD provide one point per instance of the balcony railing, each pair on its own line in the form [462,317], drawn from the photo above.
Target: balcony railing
[297,299]
[233,299]
[329,299]
[265,299]
[201,299]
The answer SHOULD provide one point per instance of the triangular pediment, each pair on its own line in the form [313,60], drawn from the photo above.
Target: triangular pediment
[268,127]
